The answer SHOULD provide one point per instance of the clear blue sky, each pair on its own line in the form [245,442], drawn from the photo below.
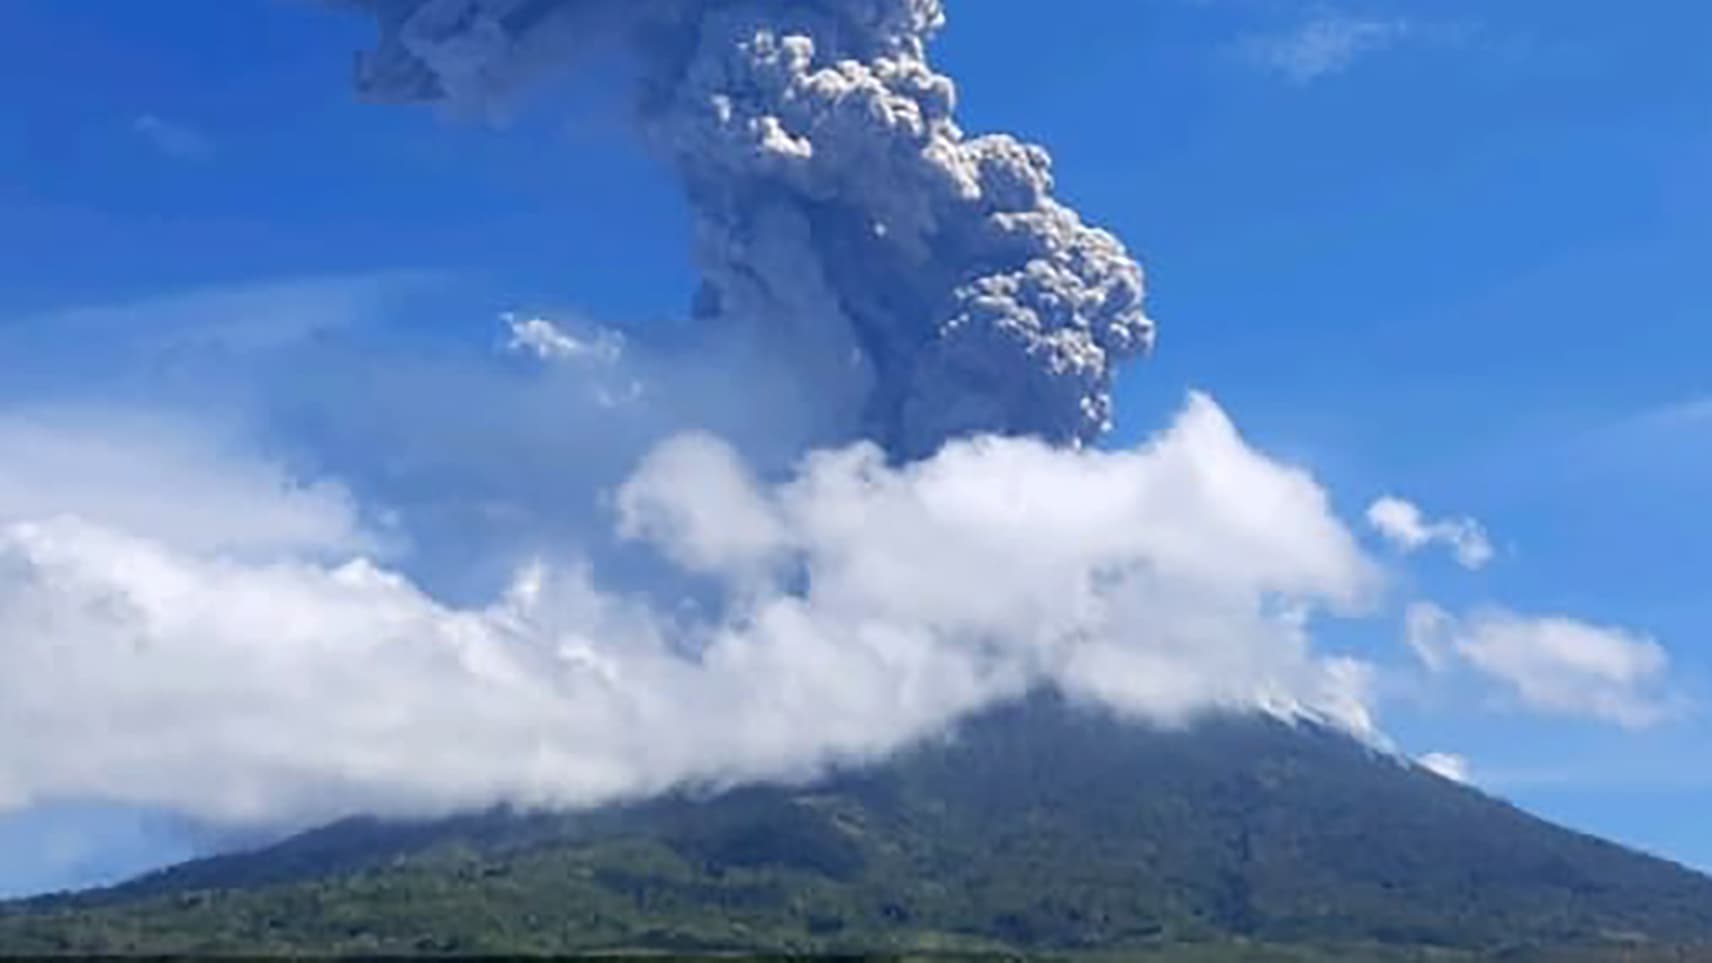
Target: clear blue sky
[1451,249]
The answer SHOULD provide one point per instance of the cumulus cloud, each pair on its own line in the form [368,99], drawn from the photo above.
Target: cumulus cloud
[1554,665]
[860,605]
[1404,525]
[1326,44]
[722,525]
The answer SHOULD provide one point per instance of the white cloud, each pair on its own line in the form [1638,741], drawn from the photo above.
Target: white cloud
[173,139]
[1324,45]
[551,341]
[1448,765]
[1554,665]
[482,460]
[164,479]
[599,347]
[721,524]
[1560,665]
[1403,524]
[866,605]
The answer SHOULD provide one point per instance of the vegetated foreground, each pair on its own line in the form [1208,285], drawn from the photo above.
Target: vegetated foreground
[1040,829]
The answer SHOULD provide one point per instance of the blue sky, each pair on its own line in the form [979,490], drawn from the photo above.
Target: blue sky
[1452,251]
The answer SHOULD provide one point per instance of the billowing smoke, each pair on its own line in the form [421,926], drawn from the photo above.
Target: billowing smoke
[928,278]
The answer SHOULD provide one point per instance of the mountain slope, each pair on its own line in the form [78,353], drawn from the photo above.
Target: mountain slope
[1038,827]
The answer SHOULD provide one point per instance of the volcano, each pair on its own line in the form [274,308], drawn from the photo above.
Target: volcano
[1041,827]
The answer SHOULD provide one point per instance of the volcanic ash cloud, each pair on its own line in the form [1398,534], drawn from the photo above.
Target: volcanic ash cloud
[927,277]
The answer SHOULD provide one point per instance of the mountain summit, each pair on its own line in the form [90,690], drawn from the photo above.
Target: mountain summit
[1039,827]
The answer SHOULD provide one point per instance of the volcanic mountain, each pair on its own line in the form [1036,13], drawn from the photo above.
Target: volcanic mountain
[1041,827]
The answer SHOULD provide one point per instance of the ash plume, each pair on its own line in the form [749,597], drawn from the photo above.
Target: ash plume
[927,277]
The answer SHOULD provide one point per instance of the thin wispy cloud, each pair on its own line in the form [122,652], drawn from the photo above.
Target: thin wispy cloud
[1327,44]
[175,140]
[1694,413]
[211,326]
[1643,453]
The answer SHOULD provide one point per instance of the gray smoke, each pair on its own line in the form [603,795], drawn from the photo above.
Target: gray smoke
[928,275]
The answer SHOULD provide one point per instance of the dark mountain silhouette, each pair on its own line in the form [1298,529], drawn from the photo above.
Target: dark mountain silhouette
[1040,827]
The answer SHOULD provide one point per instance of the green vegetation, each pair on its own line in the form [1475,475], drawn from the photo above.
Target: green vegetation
[1039,830]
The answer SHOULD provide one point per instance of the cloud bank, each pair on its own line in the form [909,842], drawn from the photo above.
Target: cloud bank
[859,606]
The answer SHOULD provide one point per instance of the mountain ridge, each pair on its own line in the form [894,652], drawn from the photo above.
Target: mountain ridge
[1042,826]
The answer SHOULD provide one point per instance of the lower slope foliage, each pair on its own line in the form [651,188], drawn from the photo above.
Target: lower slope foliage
[1038,828]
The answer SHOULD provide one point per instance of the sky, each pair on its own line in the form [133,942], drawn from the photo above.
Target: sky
[1437,263]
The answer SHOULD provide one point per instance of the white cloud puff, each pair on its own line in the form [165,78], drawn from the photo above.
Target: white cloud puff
[1553,665]
[1405,526]
[551,341]
[865,606]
